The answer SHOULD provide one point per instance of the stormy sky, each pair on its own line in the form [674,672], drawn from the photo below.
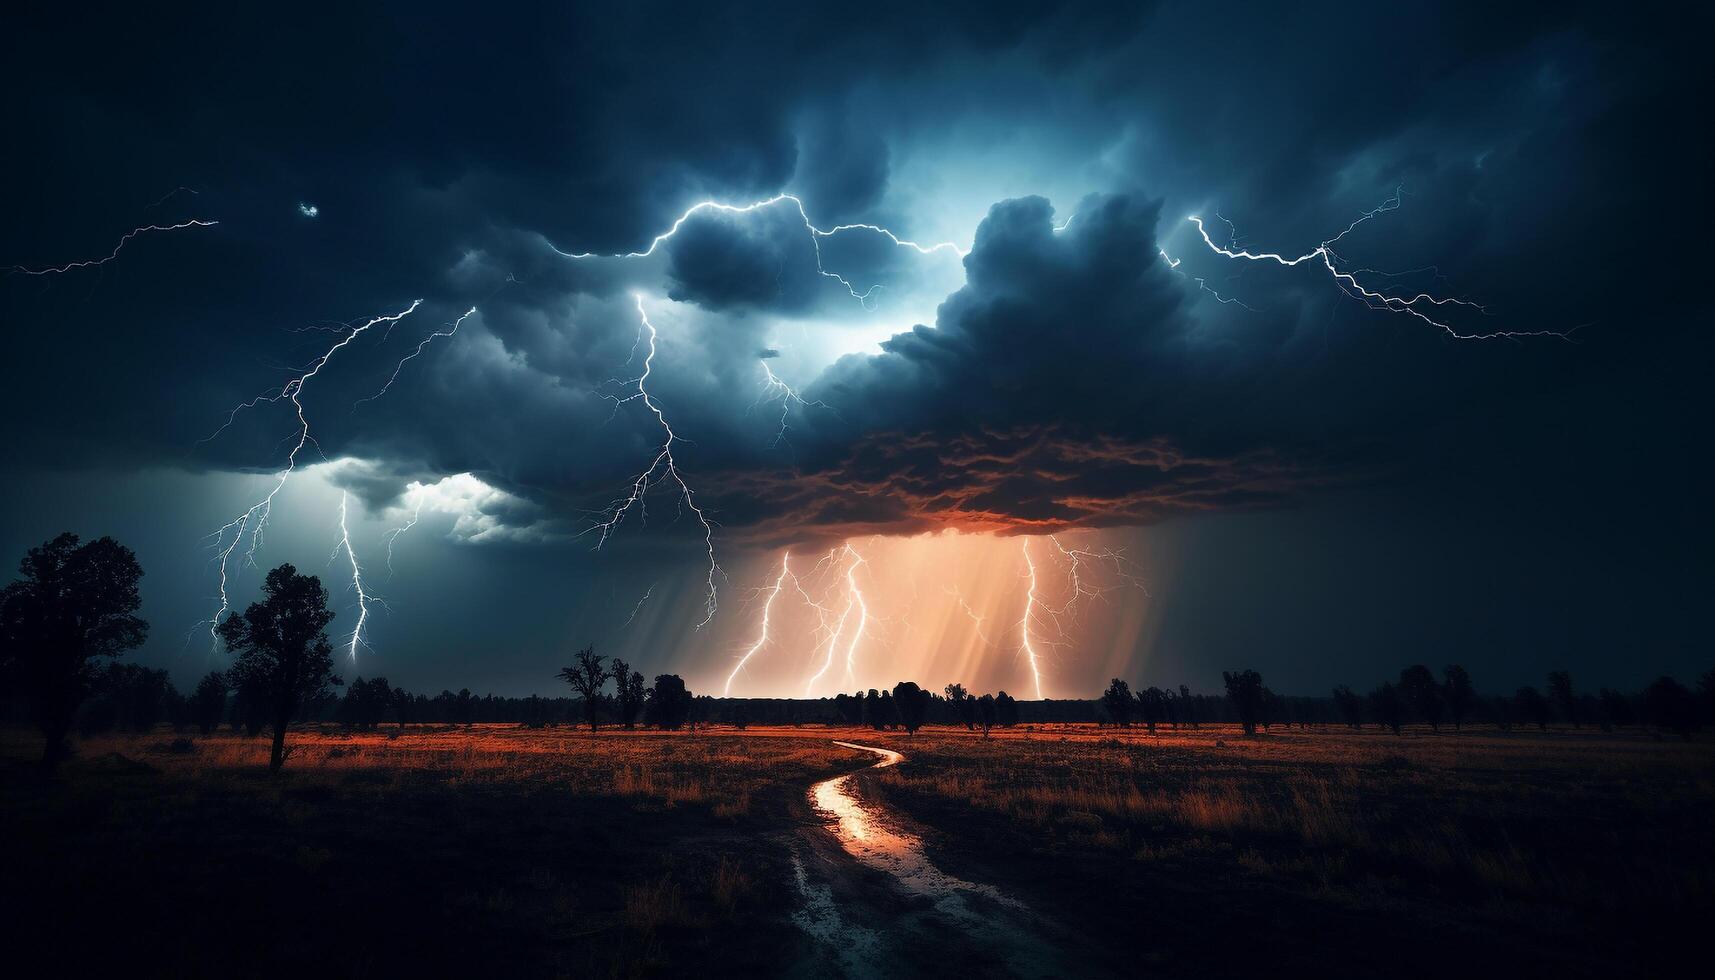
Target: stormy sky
[1296,481]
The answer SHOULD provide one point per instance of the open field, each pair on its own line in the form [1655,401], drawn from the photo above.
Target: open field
[554,852]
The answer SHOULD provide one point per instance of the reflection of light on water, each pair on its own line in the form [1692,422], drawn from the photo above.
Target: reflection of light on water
[880,843]
[1001,928]
[832,796]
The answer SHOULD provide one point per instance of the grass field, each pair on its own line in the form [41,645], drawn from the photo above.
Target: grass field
[540,853]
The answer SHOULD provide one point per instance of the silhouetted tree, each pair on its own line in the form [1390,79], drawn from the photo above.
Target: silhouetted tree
[71,605]
[1616,709]
[1273,708]
[962,706]
[1244,690]
[986,713]
[1187,705]
[912,702]
[282,651]
[365,703]
[249,708]
[127,696]
[849,709]
[629,699]
[464,708]
[587,677]
[1706,696]
[872,709]
[1118,702]
[740,714]
[1668,705]
[888,712]
[1529,704]
[404,707]
[1152,706]
[1459,693]
[1560,689]
[1503,712]
[1006,709]
[208,702]
[1350,706]
[534,712]
[1417,686]
[669,703]
[1388,706]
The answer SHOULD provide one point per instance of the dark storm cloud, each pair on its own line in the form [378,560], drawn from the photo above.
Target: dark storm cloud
[1074,379]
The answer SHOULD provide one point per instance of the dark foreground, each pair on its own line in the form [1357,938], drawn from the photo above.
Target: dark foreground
[494,851]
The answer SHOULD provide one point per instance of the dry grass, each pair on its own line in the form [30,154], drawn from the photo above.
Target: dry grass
[1600,821]
[664,768]
[497,850]
[626,853]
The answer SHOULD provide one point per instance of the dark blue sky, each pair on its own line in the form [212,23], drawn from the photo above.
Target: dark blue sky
[1309,486]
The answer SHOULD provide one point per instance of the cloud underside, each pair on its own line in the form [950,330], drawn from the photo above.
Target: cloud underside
[1056,379]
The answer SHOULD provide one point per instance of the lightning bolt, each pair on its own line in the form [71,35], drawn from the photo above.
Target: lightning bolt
[774,389]
[1040,613]
[762,633]
[1173,264]
[854,600]
[451,329]
[865,298]
[363,597]
[1376,299]
[639,607]
[1024,623]
[418,496]
[663,464]
[252,522]
[109,257]
[971,614]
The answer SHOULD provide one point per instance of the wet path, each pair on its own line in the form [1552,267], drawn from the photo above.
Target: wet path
[875,935]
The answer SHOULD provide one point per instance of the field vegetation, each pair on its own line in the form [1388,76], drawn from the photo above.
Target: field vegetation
[555,851]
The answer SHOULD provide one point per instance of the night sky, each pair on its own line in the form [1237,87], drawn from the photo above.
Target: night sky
[1297,482]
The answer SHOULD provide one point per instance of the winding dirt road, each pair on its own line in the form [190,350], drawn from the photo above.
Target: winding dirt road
[906,917]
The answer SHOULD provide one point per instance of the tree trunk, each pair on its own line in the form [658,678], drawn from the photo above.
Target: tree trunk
[277,757]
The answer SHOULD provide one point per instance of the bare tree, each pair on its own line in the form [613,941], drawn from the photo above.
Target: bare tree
[587,677]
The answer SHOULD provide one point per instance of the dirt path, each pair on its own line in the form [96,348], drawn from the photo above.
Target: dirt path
[877,906]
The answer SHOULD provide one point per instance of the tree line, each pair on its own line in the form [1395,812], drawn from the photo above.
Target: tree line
[72,611]
[1420,697]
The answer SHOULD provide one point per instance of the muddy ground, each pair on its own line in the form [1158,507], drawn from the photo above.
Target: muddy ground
[1071,852]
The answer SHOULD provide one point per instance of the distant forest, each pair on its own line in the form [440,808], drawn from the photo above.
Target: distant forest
[128,697]
[72,612]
